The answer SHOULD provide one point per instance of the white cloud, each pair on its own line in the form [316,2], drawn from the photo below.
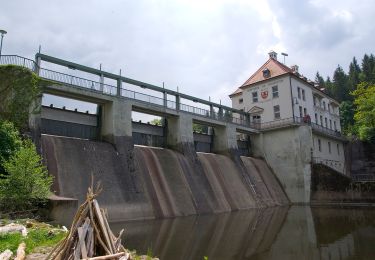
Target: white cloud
[207,48]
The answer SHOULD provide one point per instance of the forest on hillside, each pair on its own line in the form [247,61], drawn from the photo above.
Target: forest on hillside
[355,91]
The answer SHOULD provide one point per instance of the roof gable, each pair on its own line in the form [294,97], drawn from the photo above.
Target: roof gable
[255,110]
[275,67]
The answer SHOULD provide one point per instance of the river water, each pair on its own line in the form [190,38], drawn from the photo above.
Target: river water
[296,232]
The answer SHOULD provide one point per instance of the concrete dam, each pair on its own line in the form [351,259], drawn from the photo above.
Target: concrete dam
[152,182]
[148,171]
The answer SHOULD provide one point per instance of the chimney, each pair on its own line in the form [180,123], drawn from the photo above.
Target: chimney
[294,68]
[273,55]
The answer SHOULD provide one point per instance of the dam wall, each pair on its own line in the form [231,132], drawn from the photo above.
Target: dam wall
[288,152]
[147,182]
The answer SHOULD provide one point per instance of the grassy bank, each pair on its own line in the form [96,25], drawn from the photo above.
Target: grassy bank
[39,235]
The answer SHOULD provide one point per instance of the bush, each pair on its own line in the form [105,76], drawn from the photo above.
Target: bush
[19,88]
[26,180]
[9,142]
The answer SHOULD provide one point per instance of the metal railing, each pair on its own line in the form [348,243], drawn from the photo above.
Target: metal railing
[325,130]
[112,90]
[18,60]
[278,123]
[363,177]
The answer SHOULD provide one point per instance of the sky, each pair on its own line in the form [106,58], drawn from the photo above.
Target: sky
[207,48]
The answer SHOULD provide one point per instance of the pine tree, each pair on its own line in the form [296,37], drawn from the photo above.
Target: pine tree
[319,80]
[354,72]
[340,88]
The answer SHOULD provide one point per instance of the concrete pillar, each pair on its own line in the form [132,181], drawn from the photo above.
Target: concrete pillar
[116,120]
[180,131]
[119,86]
[247,118]
[177,102]
[101,82]
[220,113]
[225,139]
[165,99]
[37,67]
[212,111]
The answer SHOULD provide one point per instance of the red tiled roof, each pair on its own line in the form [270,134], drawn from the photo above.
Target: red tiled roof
[275,67]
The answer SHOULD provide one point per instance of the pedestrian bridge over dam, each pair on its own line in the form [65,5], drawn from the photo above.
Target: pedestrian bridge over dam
[116,103]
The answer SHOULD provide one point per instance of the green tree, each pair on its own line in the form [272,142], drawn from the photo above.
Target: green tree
[156,121]
[347,117]
[340,90]
[365,111]
[19,87]
[202,129]
[26,180]
[368,69]
[319,80]
[353,77]
[10,142]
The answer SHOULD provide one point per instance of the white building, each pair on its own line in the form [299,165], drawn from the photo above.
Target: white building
[278,97]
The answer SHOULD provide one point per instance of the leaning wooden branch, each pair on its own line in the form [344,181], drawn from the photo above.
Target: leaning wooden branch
[90,236]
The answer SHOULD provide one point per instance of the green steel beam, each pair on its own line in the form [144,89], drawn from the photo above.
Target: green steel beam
[141,84]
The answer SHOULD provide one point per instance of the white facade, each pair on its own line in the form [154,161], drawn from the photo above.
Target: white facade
[276,94]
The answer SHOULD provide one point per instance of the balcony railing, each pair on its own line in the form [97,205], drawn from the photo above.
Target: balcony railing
[363,177]
[278,123]
[325,130]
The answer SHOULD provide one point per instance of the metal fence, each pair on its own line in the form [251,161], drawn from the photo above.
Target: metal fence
[18,60]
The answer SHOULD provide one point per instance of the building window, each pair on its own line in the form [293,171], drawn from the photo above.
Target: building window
[303,95]
[304,111]
[300,111]
[276,111]
[266,73]
[329,147]
[316,118]
[240,100]
[256,119]
[319,145]
[334,125]
[338,149]
[324,105]
[255,97]
[329,108]
[313,143]
[275,91]
[326,121]
[330,124]
[321,120]
[299,92]
[314,99]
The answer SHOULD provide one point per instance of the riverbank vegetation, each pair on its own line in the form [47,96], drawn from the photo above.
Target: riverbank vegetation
[40,236]
[355,91]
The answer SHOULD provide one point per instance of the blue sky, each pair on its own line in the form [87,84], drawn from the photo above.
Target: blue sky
[206,47]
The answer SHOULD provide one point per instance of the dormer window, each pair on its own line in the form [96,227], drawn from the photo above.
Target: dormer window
[266,73]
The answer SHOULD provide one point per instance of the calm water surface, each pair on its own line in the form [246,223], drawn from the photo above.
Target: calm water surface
[276,233]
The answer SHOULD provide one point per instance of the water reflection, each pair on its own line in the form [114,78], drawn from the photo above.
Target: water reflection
[274,233]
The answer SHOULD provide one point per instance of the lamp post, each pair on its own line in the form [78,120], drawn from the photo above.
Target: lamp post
[2,32]
[284,54]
